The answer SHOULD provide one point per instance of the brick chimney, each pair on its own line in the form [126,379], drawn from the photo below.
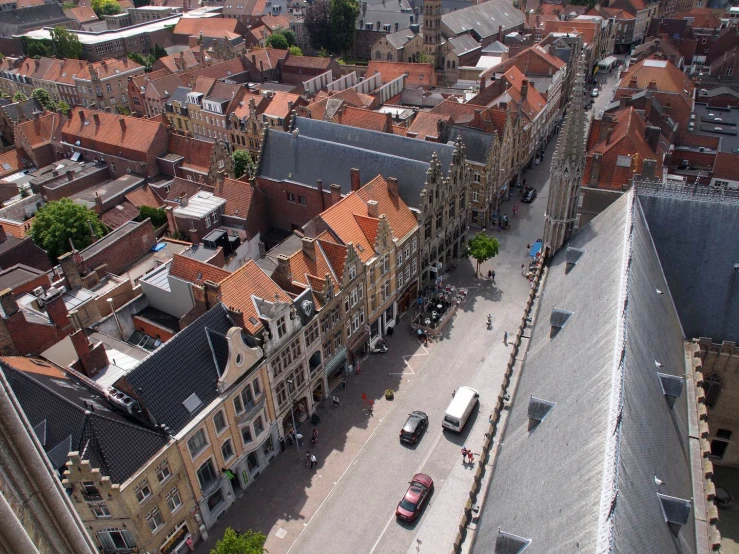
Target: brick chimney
[356,183]
[373,208]
[8,303]
[624,101]
[335,194]
[649,168]
[283,268]
[70,174]
[70,270]
[595,169]
[3,234]
[392,186]
[82,115]
[319,188]
[309,247]
[96,118]
[651,135]
[524,89]
[212,293]
[606,128]
[652,85]
[57,311]
[122,122]
[91,360]
[633,82]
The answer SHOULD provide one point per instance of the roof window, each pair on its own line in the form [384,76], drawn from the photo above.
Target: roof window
[507,543]
[675,510]
[558,320]
[672,387]
[572,256]
[192,403]
[538,410]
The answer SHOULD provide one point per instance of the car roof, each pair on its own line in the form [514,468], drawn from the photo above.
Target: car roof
[423,479]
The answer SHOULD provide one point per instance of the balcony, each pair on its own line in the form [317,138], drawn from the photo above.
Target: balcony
[91,496]
[211,486]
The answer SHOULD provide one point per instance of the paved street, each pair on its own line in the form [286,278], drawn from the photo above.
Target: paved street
[346,504]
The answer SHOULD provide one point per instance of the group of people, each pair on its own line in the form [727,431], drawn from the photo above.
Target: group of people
[467,456]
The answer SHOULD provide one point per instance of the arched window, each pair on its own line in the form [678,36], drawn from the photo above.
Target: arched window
[389,56]
[712,385]
[378,55]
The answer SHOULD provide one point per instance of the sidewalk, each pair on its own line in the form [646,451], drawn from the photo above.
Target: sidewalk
[283,499]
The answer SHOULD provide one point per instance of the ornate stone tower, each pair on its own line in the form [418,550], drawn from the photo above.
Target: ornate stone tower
[432,28]
[567,168]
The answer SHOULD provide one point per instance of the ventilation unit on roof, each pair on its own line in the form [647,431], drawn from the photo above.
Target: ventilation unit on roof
[538,410]
[675,510]
[572,255]
[507,543]
[672,387]
[558,320]
[192,403]
[121,400]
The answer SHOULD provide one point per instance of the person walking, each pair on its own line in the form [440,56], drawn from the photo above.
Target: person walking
[470,457]
[314,438]
[505,338]
[189,544]
[308,458]
[464,454]
[313,461]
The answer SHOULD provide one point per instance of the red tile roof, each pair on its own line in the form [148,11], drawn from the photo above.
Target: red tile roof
[335,253]
[399,215]
[534,101]
[278,104]
[587,29]
[425,126]
[194,271]
[191,26]
[83,14]
[726,166]
[457,110]
[666,76]
[417,74]
[703,18]
[275,22]
[182,61]
[12,161]
[144,196]
[364,119]
[238,195]
[120,214]
[293,63]
[197,154]
[40,131]
[108,68]
[266,58]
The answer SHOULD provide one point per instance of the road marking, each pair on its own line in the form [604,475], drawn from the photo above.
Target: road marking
[407,358]
[382,534]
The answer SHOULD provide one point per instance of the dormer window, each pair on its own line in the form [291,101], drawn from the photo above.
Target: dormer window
[281,328]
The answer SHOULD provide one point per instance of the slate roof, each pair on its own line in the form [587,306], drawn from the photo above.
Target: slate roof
[22,111]
[477,143]
[484,19]
[180,367]
[399,39]
[555,484]
[16,22]
[301,157]
[54,402]
[119,215]
[463,44]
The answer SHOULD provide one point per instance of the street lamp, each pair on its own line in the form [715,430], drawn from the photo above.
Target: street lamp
[292,414]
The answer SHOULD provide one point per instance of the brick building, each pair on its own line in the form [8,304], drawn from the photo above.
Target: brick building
[104,84]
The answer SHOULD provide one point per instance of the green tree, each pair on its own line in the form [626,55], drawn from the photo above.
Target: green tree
[290,36]
[277,40]
[157,215]
[146,61]
[250,542]
[68,5]
[323,53]
[481,248]
[317,24]
[38,48]
[424,58]
[58,222]
[44,98]
[242,163]
[63,108]
[65,44]
[343,19]
[295,51]
[158,52]
[105,7]
[19,97]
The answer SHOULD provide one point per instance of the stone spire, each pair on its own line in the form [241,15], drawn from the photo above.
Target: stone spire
[567,167]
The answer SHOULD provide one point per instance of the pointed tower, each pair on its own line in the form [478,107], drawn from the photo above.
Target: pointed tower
[567,168]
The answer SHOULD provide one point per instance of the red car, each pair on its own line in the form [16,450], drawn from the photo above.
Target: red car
[415,497]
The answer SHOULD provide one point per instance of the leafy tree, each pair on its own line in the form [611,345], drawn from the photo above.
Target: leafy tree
[146,61]
[38,48]
[424,58]
[158,216]
[317,24]
[482,248]
[63,108]
[44,98]
[65,44]
[158,52]
[295,51]
[289,35]
[19,97]
[343,18]
[242,163]
[123,110]
[105,7]
[250,542]
[323,53]
[277,40]
[58,222]
[68,5]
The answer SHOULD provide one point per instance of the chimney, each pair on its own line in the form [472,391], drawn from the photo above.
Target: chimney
[500,33]
[184,201]
[319,187]
[254,60]
[82,116]
[624,101]
[652,84]
[335,194]
[70,174]
[57,311]
[633,83]
[392,186]
[606,125]
[283,268]
[309,247]
[609,132]
[524,88]
[96,117]
[595,169]
[373,208]
[289,105]
[356,183]
[649,168]
[91,360]
[70,270]
[651,135]
[3,235]
[122,121]
[212,293]
[8,303]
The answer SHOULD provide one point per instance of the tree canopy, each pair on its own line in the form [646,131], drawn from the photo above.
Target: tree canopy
[105,7]
[157,215]
[317,24]
[44,98]
[65,44]
[146,61]
[158,51]
[277,40]
[342,18]
[481,248]
[19,97]
[244,543]
[295,51]
[58,222]
[242,163]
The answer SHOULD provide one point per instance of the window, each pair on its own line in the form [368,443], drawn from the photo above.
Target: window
[206,474]
[360,288]
[354,297]
[399,257]
[427,228]
[227,450]
[197,443]
[89,490]
[373,302]
[461,201]
[290,197]
[408,273]
[258,426]
[355,323]
[302,200]
[219,421]
[414,265]
[311,334]
[337,341]
[163,472]
[348,331]
[327,350]
[281,327]
[110,89]
[258,386]
[352,272]
[100,511]
[142,490]
[221,163]
[475,196]
[154,519]
[439,220]
[407,251]
[414,244]
[712,386]
[400,280]
[720,443]
[385,290]
[115,539]
[281,393]
[476,177]
[385,265]
[346,303]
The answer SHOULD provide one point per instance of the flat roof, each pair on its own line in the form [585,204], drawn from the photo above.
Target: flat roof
[107,190]
[199,205]
[158,278]
[727,129]
[153,260]
[88,38]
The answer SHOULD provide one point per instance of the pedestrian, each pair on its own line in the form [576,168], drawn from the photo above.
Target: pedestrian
[307,458]
[371,406]
[314,438]
[188,542]
[390,331]
[505,338]
[299,437]
[528,248]
[465,452]
[313,461]
[470,457]
[523,266]
[490,273]
[336,401]
[454,392]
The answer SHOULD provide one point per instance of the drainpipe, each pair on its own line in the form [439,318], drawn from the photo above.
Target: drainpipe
[115,316]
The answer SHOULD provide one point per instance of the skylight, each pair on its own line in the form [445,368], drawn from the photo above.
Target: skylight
[507,543]
[192,403]
[675,510]
[672,387]
[538,410]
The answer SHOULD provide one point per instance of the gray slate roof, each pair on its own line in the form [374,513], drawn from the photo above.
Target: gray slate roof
[696,243]
[484,19]
[387,13]
[549,484]
[55,407]
[302,158]
[477,143]
[22,111]
[400,38]
[17,21]
[463,44]
[182,366]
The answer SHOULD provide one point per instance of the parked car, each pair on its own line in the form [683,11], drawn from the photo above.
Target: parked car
[594,92]
[415,497]
[415,425]
[529,196]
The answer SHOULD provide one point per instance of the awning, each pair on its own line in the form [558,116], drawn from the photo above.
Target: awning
[608,62]
[336,362]
[436,267]
[535,249]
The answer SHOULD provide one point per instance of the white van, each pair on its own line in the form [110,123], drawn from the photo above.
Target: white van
[460,408]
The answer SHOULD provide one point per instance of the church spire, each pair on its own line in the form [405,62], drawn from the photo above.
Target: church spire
[568,163]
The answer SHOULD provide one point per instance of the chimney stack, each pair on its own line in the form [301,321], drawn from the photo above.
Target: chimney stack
[356,183]
[649,168]
[524,89]
[8,303]
[212,293]
[624,101]
[70,270]
[96,117]
[392,186]
[309,247]
[283,268]
[82,115]
[335,194]
[595,169]
[651,135]
[91,360]
[373,208]
[122,121]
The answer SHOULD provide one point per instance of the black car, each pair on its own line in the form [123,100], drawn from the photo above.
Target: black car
[416,424]
[529,196]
